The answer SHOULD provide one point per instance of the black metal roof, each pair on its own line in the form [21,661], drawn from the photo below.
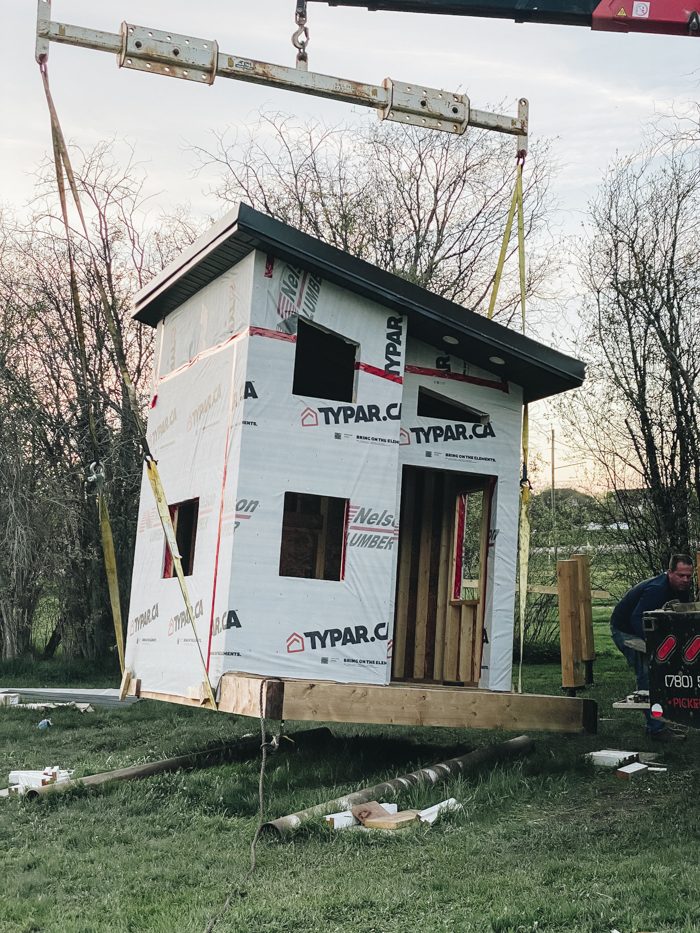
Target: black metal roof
[540,370]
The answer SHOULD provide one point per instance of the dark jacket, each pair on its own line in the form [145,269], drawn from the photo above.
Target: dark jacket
[645,597]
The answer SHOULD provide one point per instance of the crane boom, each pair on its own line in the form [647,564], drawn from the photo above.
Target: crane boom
[661,17]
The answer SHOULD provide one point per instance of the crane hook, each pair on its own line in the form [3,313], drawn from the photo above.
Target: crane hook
[297,41]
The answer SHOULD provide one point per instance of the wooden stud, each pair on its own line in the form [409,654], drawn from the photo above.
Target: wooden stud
[570,624]
[124,686]
[411,705]
[451,655]
[457,543]
[412,582]
[404,571]
[422,598]
[467,648]
[481,595]
[444,582]
[433,586]
[321,540]
[450,665]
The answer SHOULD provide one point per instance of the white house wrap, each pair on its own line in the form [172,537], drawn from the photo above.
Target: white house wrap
[287,501]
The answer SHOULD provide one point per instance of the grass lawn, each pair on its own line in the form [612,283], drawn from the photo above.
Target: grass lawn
[543,843]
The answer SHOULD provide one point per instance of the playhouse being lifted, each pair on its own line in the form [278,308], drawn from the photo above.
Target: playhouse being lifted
[340,449]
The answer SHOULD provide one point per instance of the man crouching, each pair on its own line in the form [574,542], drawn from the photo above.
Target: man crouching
[628,632]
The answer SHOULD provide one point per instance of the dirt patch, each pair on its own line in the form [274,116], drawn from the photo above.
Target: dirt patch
[606,806]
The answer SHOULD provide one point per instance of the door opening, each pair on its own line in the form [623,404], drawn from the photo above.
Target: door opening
[441,576]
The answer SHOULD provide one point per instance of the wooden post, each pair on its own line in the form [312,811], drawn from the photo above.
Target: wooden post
[570,626]
[586,612]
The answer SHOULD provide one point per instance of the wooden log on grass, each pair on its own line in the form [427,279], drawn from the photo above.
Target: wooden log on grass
[436,774]
[195,760]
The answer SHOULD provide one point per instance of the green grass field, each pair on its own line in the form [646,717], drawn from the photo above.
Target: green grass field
[546,842]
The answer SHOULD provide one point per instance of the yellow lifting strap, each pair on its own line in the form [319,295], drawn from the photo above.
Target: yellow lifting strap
[524,518]
[63,164]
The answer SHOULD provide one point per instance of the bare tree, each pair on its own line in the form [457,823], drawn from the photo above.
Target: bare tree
[637,416]
[45,397]
[427,206]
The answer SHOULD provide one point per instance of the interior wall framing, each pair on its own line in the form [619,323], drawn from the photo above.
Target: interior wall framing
[438,634]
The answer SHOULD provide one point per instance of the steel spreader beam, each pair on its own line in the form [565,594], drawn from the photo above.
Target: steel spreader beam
[193,59]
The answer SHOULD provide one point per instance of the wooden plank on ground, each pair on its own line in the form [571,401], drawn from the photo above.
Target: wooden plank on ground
[426,537]
[572,672]
[403,572]
[368,811]
[393,820]
[584,585]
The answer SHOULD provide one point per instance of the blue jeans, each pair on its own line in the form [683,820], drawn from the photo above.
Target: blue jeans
[638,662]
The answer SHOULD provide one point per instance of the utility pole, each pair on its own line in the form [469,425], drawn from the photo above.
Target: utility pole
[554,514]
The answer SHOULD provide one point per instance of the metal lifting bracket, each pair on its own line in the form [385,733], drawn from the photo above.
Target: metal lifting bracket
[200,60]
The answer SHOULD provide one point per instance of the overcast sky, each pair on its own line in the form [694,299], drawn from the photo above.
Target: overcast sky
[593,91]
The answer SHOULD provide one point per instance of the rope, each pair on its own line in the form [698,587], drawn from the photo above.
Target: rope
[63,164]
[524,518]
[60,156]
[504,248]
[238,889]
[515,201]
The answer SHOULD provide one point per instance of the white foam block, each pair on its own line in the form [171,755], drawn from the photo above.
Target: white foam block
[430,814]
[613,758]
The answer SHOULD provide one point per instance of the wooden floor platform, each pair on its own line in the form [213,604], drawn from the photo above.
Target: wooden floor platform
[402,704]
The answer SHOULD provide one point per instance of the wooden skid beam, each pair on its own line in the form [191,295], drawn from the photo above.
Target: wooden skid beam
[406,705]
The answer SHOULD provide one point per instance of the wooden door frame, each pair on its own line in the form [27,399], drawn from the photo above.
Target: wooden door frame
[459,623]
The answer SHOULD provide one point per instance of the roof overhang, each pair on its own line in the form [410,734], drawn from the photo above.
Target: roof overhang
[540,370]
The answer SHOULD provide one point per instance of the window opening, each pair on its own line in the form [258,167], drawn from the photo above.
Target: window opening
[184,518]
[313,536]
[433,405]
[324,364]
[468,544]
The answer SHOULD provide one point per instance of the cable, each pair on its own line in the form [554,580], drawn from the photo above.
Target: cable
[261,817]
